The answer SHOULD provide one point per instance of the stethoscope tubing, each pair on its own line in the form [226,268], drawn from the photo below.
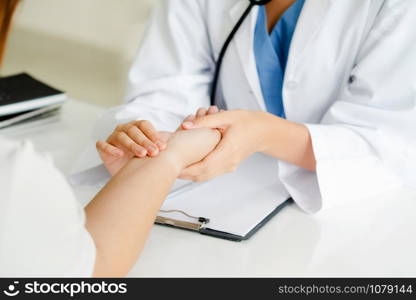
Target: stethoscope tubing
[226,45]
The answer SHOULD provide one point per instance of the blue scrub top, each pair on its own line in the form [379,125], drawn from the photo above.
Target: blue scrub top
[271,52]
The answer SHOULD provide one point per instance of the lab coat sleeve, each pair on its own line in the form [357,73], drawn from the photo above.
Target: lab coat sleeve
[366,142]
[170,77]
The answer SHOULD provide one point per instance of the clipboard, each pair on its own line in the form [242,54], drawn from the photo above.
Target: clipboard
[203,227]
[233,206]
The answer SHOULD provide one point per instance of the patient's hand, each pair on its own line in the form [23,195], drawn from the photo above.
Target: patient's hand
[138,139]
[114,158]
[184,148]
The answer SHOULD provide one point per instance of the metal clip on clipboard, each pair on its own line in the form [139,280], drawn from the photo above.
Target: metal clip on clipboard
[201,221]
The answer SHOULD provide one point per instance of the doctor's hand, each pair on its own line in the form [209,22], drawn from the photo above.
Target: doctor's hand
[241,136]
[201,112]
[186,147]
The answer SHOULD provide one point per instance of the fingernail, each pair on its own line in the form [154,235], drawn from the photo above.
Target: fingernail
[152,150]
[188,124]
[160,144]
[142,152]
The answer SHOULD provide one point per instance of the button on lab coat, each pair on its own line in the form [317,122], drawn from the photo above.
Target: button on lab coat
[350,78]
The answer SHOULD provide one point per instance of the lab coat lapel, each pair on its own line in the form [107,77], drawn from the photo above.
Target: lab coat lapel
[243,41]
[309,24]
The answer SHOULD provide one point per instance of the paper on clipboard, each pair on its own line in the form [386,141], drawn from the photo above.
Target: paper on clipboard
[234,203]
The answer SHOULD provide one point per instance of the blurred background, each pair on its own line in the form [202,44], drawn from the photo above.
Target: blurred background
[84,47]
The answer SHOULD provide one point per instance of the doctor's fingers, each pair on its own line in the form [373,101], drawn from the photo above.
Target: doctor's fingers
[213,110]
[202,112]
[198,172]
[215,164]
[219,120]
[189,118]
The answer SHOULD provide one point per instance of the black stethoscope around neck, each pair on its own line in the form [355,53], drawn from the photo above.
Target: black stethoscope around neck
[227,44]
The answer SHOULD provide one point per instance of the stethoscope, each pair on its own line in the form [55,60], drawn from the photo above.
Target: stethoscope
[227,44]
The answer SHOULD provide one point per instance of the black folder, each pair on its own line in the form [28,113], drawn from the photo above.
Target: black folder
[23,93]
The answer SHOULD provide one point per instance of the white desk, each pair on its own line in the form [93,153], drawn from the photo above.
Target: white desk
[373,239]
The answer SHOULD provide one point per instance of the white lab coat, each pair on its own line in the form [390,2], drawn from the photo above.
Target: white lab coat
[350,78]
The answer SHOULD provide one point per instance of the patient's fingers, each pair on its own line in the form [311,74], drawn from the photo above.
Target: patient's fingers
[165,135]
[122,140]
[104,147]
[150,132]
[138,136]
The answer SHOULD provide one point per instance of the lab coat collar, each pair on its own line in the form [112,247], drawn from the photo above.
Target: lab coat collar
[309,24]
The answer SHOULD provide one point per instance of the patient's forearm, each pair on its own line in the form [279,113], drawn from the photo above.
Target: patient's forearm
[120,217]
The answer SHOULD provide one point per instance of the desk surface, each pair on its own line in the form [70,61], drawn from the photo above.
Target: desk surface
[376,238]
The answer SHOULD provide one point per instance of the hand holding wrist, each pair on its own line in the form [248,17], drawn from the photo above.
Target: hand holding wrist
[188,147]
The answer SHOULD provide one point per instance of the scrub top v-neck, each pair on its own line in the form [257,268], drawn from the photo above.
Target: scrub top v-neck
[271,51]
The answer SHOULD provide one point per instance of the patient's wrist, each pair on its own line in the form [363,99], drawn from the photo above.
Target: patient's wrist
[168,159]
[171,160]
